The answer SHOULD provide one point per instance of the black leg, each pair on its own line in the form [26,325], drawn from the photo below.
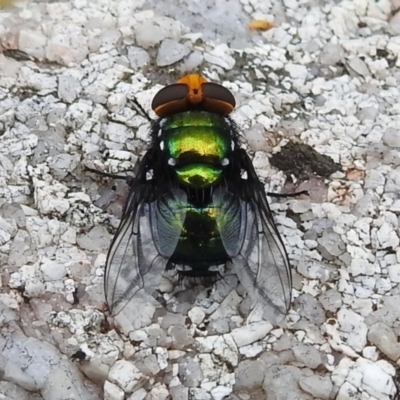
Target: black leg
[106,174]
[140,109]
[283,195]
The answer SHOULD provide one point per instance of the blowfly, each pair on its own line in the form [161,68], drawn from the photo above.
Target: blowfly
[196,204]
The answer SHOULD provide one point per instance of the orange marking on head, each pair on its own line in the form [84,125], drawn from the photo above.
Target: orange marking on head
[193,82]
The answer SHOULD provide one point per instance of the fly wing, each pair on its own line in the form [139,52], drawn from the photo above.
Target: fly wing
[251,238]
[146,238]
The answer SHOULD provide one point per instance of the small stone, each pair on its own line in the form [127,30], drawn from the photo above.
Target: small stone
[181,337]
[15,212]
[10,391]
[171,52]
[319,386]
[157,393]
[250,333]
[53,270]
[332,242]
[220,392]
[32,42]
[331,300]
[171,319]
[6,231]
[45,370]
[368,114]
[308,355]
[394,22]
[192,61]
[124,374]
[249,375]
[387,236]
[256,139]
[97,239]
[296,71]
[353,328]
[63,164]
[118,133]
[68,88]
[383,337]
[371,353]
[221,56]
[225,348]
[282,382]
[67,48]
[331,54]
[190,372]
[113,392]
[359,66]
[307,306]
[138,395]
[391,137]
[197,315]
[374,179]
[394,273]
[153,31]
[375,380]
[138,57]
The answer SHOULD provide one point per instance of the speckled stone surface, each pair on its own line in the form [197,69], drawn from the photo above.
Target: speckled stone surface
[318,96]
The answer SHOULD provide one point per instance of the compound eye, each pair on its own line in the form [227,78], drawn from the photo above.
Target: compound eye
[170,98]
[219,96]
[193,92]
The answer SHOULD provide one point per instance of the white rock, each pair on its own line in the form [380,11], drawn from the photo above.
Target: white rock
[371,353]
[394,273]
[117,132]
[137,57]
[152,31]
[248,334]
[53,270]
[387,236]
[353,328]
[394,22]
[220,56]
[220,392]
[32,42]
[124,374]
[358,66]
[138,395]
[308,355]
[197,315]
[374,380]
[68,88]
[113,392]
[162,357]
[225,348]
[6,229]
[171,52]
[346,391]
[296,71]
[384,337]
[319,386]
[160,392]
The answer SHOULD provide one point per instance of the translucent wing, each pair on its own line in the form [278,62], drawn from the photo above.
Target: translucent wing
[251,238]
[147,236]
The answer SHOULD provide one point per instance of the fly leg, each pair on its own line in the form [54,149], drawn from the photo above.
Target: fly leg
[284,195]
[126,178]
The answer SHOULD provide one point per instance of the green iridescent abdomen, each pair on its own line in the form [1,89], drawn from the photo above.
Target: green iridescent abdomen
[200,244]
[196,144]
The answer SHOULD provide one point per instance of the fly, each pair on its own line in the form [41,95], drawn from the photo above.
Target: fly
[195,204]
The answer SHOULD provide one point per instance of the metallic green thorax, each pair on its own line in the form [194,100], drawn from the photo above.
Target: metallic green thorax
[196,144]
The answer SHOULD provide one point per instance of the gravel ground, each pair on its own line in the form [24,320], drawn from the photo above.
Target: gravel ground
[319,107]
